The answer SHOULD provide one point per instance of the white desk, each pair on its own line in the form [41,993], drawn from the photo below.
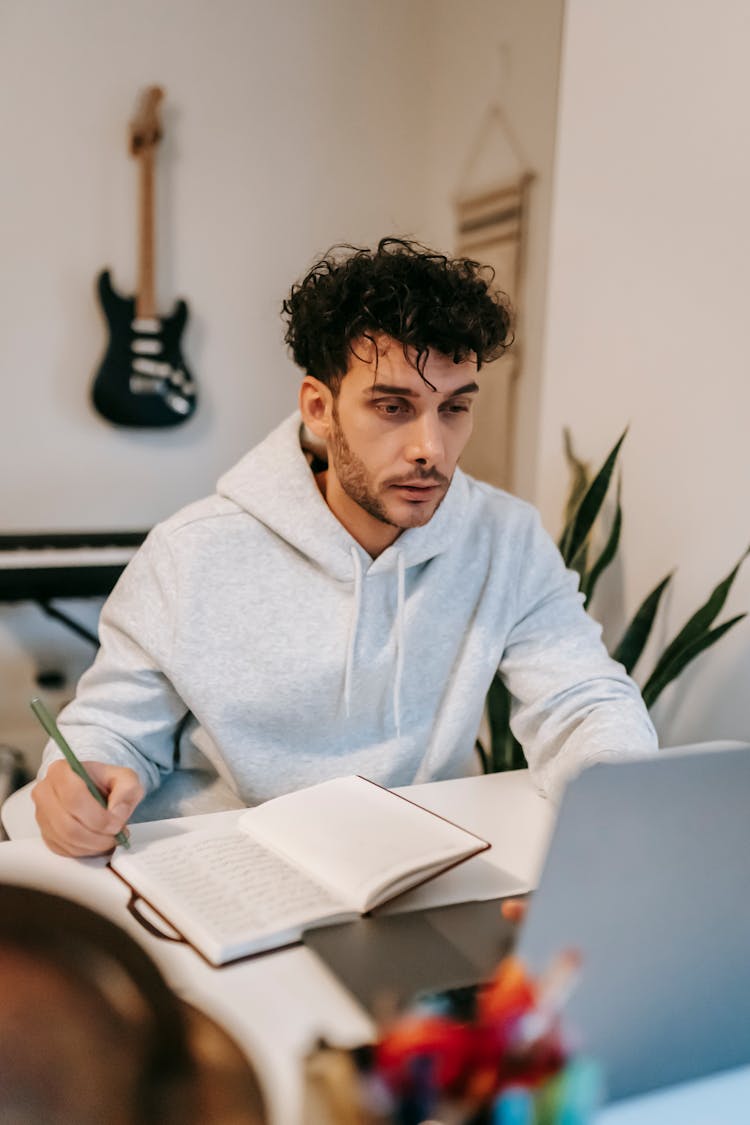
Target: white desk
[277,1005]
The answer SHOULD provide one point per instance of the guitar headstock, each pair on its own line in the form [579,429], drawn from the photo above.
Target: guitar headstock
[145,128]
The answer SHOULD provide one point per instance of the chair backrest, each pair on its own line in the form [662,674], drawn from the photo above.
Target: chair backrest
[17,814]
[128,1050]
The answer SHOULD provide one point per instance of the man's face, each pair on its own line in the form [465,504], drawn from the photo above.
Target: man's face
[393,442]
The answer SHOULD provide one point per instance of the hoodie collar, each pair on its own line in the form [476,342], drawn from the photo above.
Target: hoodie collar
[274,483]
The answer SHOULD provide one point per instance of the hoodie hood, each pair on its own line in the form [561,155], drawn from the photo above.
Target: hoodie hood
[274,483]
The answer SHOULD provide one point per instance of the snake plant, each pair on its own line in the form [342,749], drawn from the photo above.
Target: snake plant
[583,509]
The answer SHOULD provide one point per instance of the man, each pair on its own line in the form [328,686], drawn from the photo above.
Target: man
[342,608]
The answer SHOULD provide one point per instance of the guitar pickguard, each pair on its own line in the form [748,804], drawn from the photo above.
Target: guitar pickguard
[152,373]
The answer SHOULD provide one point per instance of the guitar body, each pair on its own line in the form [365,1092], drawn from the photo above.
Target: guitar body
[143,379]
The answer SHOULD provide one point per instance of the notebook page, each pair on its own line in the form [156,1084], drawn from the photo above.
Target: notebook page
[224,890]
[357,835]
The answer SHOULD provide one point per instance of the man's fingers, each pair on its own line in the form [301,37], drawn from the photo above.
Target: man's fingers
[124,791]
[120,787]
[514,909]
[71,793]
[71,820]
[65,834]
[70,837]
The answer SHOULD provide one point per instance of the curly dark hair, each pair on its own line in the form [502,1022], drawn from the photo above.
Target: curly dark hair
[402,289]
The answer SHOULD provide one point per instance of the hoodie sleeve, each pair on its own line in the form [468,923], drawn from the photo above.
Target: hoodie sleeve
[571,703]
[126,710]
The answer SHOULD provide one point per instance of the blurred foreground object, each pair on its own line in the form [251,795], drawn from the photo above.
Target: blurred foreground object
[90,1032]
[488,1055]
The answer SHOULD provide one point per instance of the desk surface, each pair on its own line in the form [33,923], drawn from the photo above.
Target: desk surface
[277,1005]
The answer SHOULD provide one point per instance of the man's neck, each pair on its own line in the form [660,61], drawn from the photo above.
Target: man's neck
[371,534]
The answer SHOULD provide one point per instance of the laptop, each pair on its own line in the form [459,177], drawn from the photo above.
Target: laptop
[648,876]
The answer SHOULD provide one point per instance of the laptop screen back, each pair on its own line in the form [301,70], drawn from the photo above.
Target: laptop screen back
[648,875]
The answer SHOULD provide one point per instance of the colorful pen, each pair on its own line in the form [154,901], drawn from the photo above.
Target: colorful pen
[56,734]
[583,1092]
[514,1106]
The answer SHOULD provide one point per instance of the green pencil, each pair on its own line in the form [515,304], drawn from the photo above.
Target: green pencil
[55,733]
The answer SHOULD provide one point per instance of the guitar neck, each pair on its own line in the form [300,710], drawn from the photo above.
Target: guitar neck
[145,302]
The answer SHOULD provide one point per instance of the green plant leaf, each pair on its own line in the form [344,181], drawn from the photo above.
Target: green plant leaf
[590,506]
[507,753]
[590,579]
[657,683]
[483,759]
[567,531]
[498,709]
[701,620]
[514,756]
[581,561]
[580,477]
[505,749]
[634,639]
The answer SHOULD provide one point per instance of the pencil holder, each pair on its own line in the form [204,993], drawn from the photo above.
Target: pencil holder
[493,1054]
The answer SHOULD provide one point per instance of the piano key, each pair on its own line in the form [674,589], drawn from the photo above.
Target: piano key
[75,556]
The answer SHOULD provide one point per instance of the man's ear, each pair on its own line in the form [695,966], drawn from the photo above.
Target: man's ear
[316,406]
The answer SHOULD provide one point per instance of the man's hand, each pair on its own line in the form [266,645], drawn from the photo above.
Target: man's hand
[514,909]
[71,821]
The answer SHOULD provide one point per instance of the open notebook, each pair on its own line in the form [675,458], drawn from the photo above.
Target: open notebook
[325,854]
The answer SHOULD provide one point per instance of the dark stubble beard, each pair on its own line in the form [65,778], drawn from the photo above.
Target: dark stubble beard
[355,480]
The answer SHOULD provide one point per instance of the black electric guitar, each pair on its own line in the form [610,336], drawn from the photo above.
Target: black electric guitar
[143,379]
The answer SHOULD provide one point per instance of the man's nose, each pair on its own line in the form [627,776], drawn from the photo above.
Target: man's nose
[425,440]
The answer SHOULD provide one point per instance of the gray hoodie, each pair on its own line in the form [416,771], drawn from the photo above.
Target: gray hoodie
[300,658]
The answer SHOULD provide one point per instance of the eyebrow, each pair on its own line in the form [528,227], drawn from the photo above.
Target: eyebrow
[407,392]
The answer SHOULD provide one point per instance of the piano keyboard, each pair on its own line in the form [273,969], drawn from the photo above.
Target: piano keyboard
[20,559]
[41,565]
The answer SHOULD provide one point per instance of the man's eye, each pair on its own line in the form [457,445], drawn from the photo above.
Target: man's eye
[457,407]
[392,409]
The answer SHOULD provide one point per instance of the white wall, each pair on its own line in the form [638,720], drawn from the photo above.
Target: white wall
[279,140]
[484,52]
[647,313]
[288,125]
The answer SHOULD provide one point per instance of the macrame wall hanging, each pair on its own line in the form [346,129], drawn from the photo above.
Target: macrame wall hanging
[491,227]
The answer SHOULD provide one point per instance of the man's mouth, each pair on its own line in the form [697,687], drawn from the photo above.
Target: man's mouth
[418,490]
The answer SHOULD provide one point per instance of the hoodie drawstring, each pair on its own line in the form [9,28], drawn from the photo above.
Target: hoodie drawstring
[401,600]
[353,628]
[399,643]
